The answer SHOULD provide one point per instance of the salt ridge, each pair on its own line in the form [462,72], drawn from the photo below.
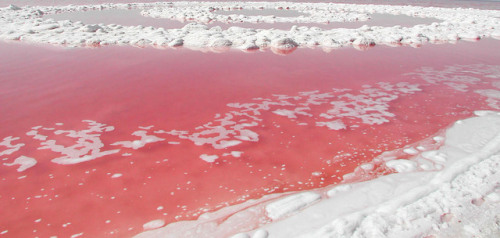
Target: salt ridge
[27,24]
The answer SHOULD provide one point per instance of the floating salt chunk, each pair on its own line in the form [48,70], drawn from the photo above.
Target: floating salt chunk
[136,144]
[209,158]
[236,153]
[333,125]
[225,143]
[11,148]
[24,162]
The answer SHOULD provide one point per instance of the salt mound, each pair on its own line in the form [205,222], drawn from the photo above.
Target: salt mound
[27,24]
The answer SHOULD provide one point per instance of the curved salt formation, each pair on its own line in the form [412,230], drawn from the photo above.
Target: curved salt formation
[410,203]
[26,24]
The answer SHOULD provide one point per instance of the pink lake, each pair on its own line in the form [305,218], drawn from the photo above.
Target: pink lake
[123,135]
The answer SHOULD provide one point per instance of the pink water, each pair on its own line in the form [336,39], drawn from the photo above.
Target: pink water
[128,88]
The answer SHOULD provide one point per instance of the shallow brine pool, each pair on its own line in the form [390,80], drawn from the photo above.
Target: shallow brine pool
[100,141]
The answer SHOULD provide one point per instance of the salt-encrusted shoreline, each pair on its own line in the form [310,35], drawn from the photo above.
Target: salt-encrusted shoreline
[463,197]
[27,24]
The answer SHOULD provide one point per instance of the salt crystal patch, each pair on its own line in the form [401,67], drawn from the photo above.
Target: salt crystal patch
[136,144]
[438,138]
[209,158]
[77,235]
[402,165]
[230,143]
[367,167]
[290,204]
[7,142]
[333,125]
[435,156]
[338,189]
[493,197]
[24,162]
[481,113]
[285,112]
[410,151]
[260,234]
[116,175]
[240,235]
[236,153]
[153,224]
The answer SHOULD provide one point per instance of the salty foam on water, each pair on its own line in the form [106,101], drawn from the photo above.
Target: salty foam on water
[87,147]
[27,24]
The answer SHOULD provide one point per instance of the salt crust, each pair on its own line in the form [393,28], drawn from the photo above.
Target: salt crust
[27,24]
[462,198]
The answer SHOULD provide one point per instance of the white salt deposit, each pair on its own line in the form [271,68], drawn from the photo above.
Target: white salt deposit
[153,224]
[26,24]
[290,204]
[333,125]
[24,163]
[410,151]
[11,148]
[209,158]
[136,144]
[368,106]
[402,165]
[461,198]
[236,153]
[87,147]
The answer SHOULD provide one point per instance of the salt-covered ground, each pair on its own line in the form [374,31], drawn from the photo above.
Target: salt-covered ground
[26,24]
[348,144]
